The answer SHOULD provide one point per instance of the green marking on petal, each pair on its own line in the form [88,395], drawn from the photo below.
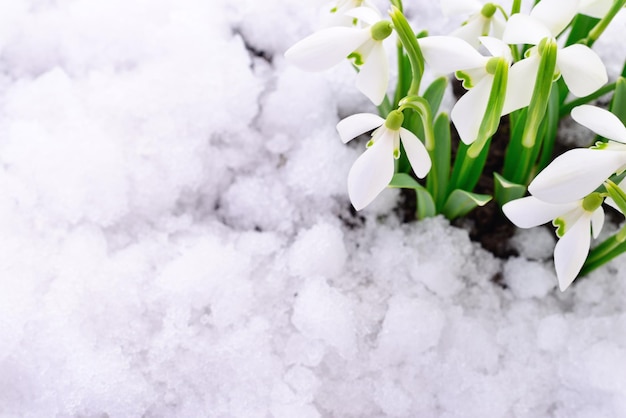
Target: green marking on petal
[356,58]
[465,78]
[559,223]
[333,10]
[381,30]
[369,143]
[488,10]
[600,145]
[396,153]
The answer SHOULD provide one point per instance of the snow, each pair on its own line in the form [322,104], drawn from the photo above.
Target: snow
[177,239]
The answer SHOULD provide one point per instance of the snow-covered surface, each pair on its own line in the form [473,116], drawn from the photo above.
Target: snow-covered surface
[176,239]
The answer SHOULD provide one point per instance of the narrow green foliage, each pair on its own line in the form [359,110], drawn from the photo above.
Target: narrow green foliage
[461,202]
[549,128]
[617,194]
[599,28]
[425,203]
[505,190]
[409,42]
[618,104]
[441,161]
[491,119]
[580,28]
[434,93]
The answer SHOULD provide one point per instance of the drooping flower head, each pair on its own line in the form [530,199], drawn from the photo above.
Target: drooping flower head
[582,70]
[446,54]
[373,170]
[328,47]
[579,172]
[575,222]
[484,19]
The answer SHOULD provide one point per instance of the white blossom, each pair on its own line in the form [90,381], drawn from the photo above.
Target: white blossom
[575,221]
[373,170]
[582,70]
[328,47]
[579,172]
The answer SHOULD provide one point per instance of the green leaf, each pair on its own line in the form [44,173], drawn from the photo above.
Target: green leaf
[505,190]
[617,194]
[425,203]
[549,129]
[581,26]
[434,93]
[440,172]
[618,104]
[460,203]
[467,170]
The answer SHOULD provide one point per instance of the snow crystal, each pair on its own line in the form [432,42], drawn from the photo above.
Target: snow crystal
[528,279]
[318,251]
[321,312]
[177,238]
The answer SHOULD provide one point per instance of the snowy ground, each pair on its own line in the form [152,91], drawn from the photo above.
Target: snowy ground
[176,239]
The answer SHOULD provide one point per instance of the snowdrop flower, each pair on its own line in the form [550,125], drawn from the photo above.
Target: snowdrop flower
[483,20]
[579,172]
[446,54]
[373,170]
[328,47]
[574,222]
[582,70]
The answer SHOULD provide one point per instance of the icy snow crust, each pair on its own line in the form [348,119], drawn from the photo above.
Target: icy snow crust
[177,240]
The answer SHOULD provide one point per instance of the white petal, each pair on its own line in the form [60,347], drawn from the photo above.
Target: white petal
[529,211]
[571,251]
[373,76]
[496,47]
[368,15]
[371,172]
[523,29]
[416,153]
[447,54]
[457,7]
[475,27]
[575,174]
[595,8]
[467,114]
[520,84]
[498,24]
[358,124]
[555,14]
[597,222]
[582,70]
[326,48]
[600,121]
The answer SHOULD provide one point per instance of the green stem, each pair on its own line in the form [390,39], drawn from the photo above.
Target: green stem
[536,112]
[517,5]
[567,107]
[409,41]
[595,33]
[602,254]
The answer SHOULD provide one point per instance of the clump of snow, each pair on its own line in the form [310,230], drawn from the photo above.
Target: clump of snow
[177,239]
